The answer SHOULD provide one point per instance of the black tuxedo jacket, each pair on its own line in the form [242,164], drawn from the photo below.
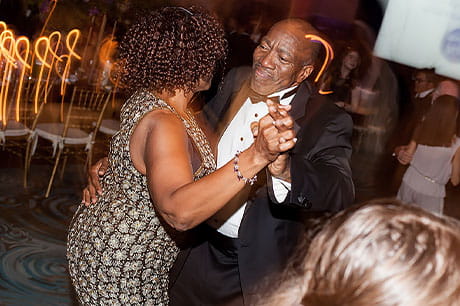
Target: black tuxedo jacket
[321,180]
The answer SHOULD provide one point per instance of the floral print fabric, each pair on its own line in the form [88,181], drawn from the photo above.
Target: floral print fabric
[119,250]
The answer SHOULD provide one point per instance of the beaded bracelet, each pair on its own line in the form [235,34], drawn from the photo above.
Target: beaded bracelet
[240,176]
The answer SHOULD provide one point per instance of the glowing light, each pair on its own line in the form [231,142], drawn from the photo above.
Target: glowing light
[5,37]
[48,17]
[22,46]
[329,53]
[71,42]
[7,47]
[54,40]
[3,25]
[18,56]
[42,46]
[325,92]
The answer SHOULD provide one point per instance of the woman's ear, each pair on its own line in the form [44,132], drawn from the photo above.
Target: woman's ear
[304,73]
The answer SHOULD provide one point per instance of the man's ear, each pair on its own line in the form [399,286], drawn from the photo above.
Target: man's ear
[304,73]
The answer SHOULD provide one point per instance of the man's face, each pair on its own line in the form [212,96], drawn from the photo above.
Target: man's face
[421,83]
[279,59]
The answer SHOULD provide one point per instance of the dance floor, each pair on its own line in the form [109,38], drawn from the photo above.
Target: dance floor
[33,268]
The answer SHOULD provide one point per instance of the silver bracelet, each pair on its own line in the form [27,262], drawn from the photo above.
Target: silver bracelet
[240,176]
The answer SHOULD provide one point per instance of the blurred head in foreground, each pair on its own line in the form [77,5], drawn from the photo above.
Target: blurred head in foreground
[380,253]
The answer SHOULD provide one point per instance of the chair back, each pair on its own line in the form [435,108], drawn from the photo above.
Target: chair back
[73,135]
[86,110]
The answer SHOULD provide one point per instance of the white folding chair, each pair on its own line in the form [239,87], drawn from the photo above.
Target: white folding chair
[76,135]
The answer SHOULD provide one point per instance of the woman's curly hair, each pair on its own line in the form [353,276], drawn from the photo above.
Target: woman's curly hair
[172,48]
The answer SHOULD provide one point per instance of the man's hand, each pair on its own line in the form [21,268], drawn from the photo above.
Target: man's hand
[274,133]
[95,172]
[281,168]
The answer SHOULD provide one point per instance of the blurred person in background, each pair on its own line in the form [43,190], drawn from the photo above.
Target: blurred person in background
[381,253]
[342,77]
[435,157]
[424,85]
[447,87]
[444,87]
[376,95]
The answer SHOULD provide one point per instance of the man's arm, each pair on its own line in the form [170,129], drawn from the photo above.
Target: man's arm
[320,171]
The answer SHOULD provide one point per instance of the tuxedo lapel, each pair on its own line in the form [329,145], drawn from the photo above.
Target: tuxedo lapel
[237,100]
[300,101]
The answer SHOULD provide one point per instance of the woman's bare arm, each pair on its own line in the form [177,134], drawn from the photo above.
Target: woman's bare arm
[455,175]
[159,148]
[406,153]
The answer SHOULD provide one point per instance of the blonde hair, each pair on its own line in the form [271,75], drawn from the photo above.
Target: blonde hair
[381,253]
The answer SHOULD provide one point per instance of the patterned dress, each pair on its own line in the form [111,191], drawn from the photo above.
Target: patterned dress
[120,250]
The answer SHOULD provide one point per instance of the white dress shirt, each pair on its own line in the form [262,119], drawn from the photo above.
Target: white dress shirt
[238,137]
[425,93]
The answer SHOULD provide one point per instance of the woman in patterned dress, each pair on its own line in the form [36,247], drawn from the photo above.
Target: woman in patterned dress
[161,178]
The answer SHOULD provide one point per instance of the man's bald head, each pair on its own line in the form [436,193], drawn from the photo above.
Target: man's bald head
[302,27]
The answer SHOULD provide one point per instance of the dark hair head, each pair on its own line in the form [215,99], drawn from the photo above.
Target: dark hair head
[440,124]
[342,49]
[429,73]
[172,48]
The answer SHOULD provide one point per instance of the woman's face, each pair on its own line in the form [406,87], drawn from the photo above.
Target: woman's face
[351,60]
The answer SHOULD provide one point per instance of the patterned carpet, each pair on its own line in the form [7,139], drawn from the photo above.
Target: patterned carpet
[33,267]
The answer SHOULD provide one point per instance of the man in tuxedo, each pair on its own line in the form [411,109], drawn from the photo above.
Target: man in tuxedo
[424,86]
[239,248]
[254,235]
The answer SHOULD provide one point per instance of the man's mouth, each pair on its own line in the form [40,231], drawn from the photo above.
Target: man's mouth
[261,73]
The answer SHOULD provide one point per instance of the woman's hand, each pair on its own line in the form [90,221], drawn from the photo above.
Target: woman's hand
[95,172]
[403,154]
[274,133]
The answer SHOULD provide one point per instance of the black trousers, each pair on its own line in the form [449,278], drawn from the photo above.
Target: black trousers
[210,274]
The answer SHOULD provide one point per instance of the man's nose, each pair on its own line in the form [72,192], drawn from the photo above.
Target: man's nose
[267,60]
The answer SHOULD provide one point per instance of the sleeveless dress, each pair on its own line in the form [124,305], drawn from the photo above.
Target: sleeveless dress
[119,250]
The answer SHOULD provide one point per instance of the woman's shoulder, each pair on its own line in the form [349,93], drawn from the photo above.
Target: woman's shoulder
[139,104]
[162,116]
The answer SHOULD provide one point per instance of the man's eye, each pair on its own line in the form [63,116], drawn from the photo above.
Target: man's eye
[283,59]
[264,47]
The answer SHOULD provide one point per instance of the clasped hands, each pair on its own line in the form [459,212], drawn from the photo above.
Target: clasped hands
[275,135]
